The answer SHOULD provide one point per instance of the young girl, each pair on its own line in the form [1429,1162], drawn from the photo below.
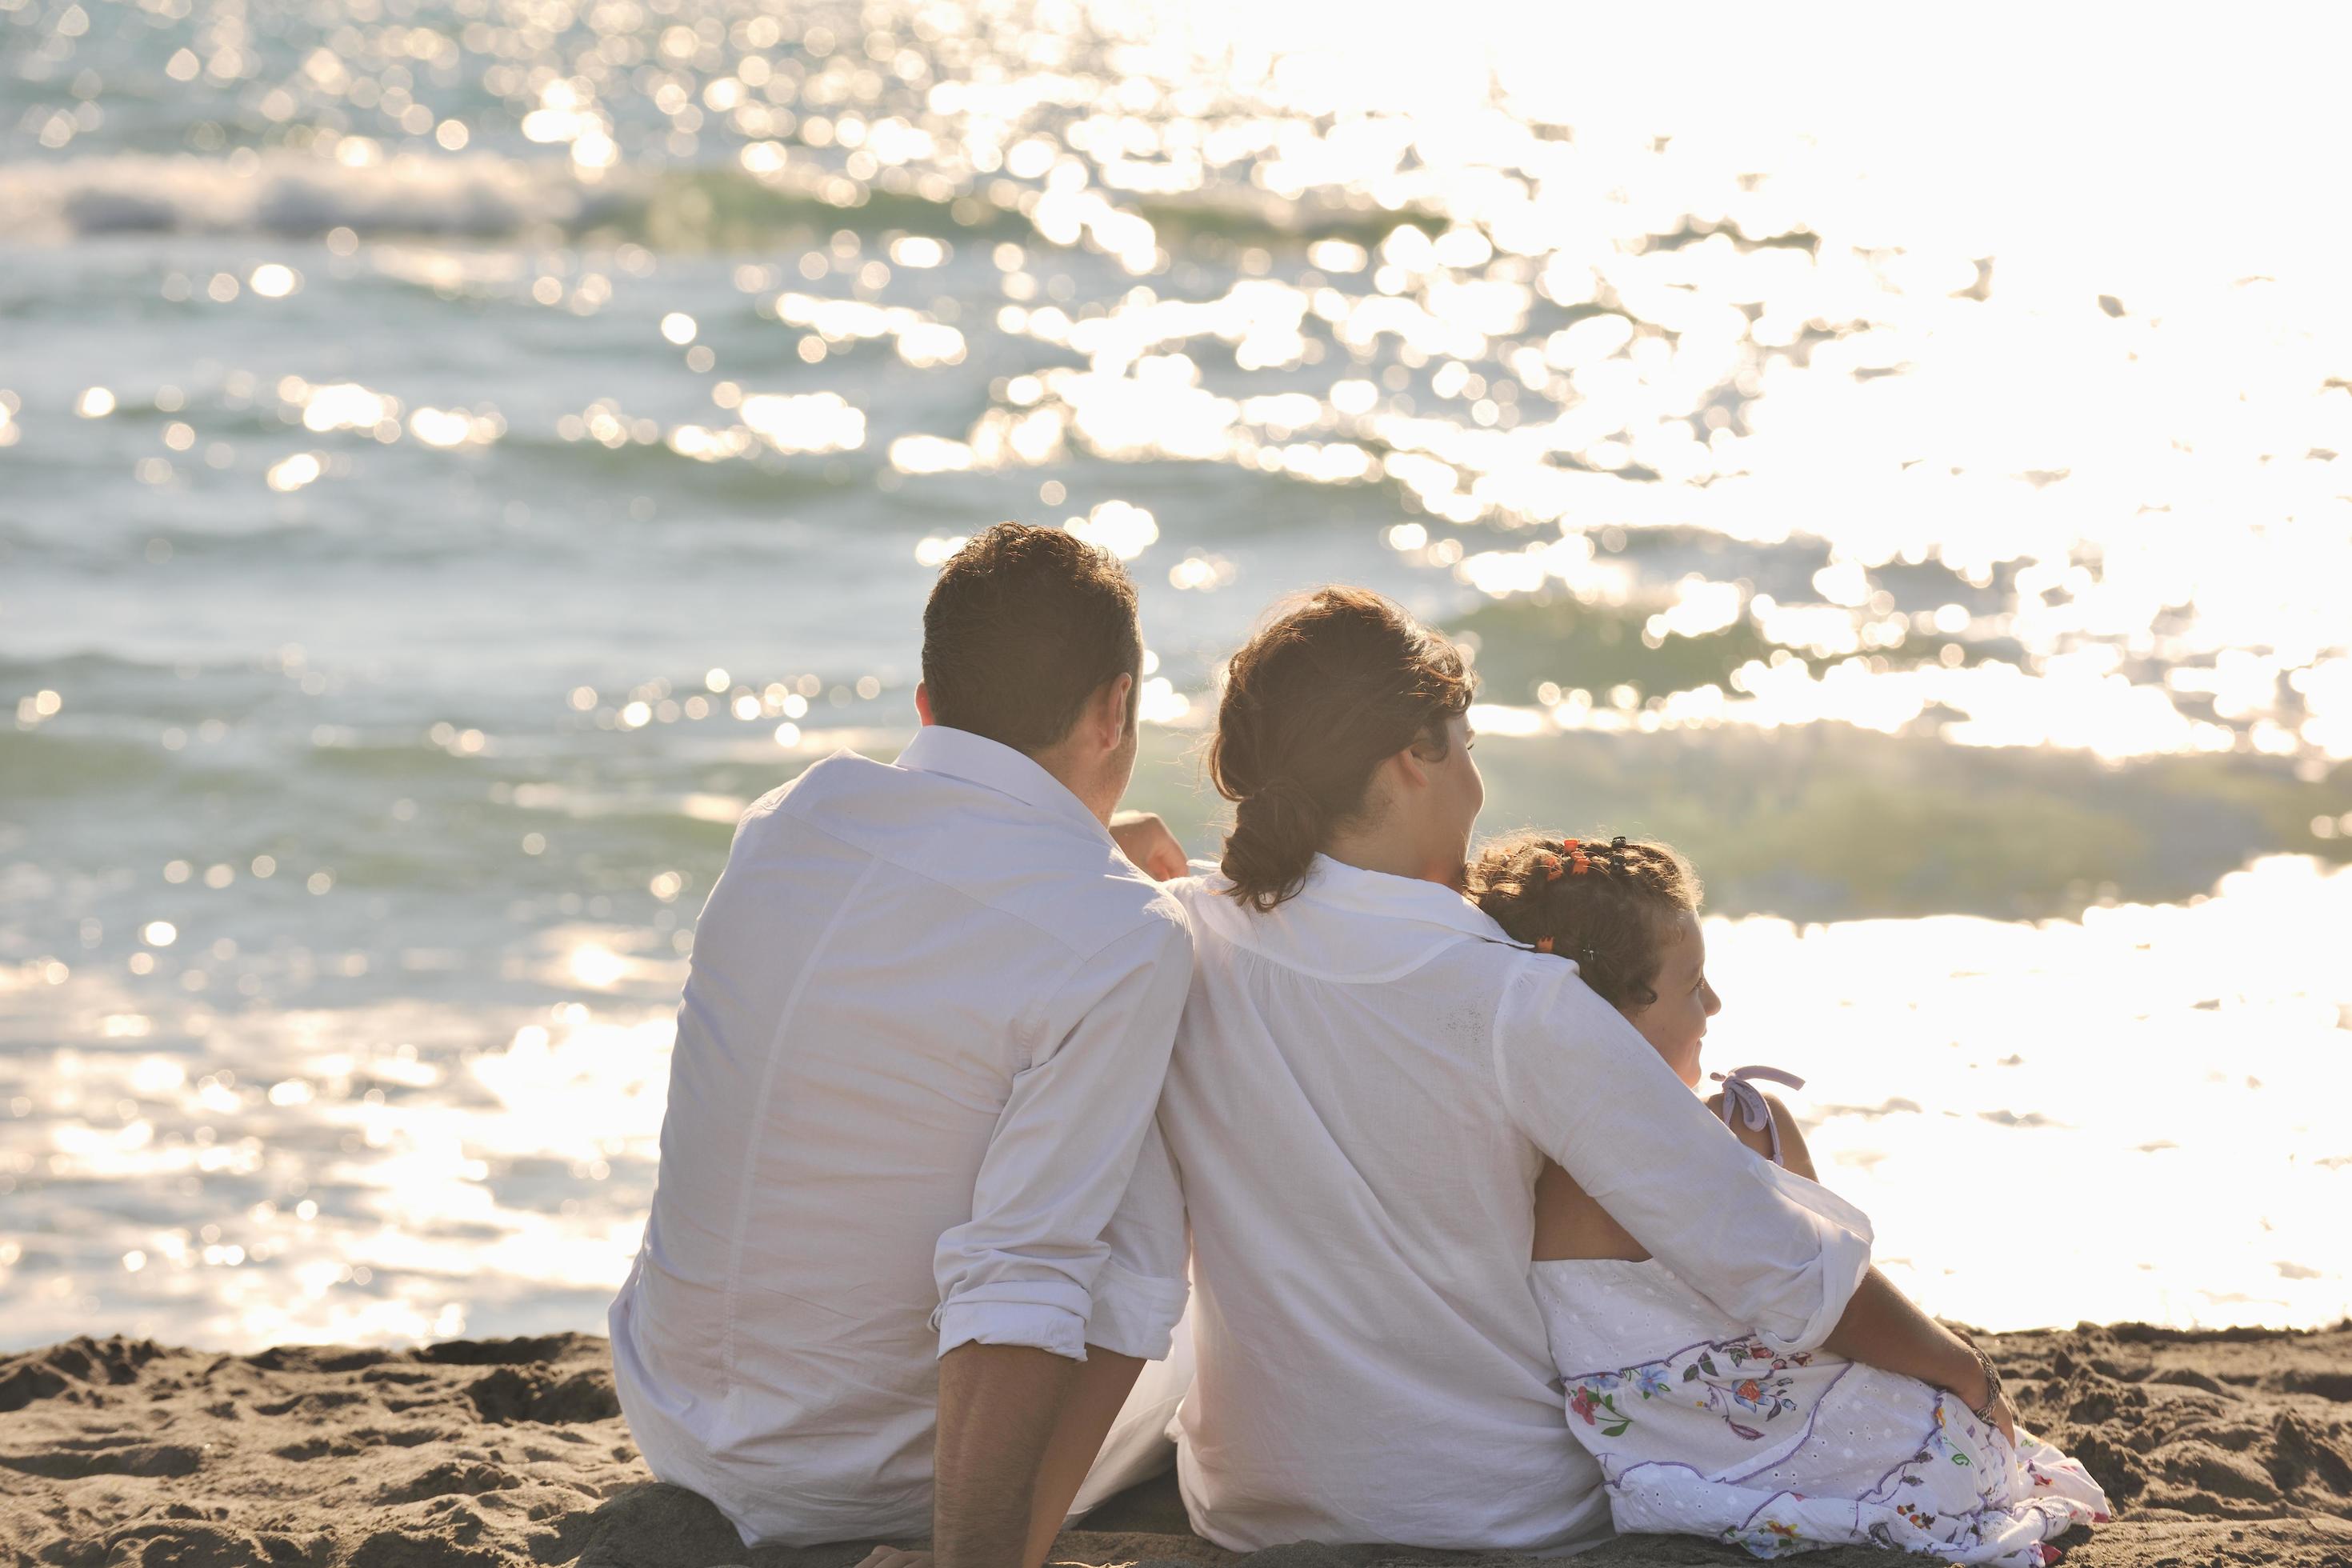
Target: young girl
[1699,1427]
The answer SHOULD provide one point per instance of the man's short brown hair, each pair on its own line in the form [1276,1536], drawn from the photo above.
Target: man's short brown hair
[1022,627]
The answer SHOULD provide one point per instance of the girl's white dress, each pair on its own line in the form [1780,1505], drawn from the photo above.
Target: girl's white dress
[1702,1429]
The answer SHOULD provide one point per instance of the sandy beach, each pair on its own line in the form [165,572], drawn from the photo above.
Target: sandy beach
[2226,1446]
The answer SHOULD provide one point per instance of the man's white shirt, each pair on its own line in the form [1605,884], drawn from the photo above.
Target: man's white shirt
[1365,1083]
[926,1025]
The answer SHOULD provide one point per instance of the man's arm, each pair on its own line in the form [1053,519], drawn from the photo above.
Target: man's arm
[1139,1298]
[983,1480]
[998,1407]
[1021,1278]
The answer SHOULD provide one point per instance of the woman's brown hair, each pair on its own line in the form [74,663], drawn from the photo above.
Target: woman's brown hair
[1609,905]
[1338,680]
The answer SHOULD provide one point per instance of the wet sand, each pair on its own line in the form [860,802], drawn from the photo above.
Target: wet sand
[2218,1447]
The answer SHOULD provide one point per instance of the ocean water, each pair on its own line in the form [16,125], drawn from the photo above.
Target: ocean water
[455,453]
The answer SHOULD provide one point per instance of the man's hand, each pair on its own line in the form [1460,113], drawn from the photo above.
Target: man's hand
[1143,839]
[896,1557]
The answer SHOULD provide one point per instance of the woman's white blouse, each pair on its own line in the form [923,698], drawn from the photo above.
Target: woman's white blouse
[1364,1085]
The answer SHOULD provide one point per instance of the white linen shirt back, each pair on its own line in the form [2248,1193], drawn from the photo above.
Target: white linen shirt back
[1365,1084]
[924,1031]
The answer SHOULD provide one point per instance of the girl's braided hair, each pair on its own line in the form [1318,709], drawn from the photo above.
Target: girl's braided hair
[1608,905]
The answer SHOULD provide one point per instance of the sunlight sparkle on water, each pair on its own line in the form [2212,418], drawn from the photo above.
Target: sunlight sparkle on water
[524,365]
[364,1168]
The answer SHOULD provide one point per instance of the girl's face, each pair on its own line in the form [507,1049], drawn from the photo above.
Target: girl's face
[1676,1022]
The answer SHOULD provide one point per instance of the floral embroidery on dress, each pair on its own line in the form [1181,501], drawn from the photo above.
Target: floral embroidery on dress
[1855,1455]
[1756,1387]
[1599,1408]
[1750,1389]
[1780,1452]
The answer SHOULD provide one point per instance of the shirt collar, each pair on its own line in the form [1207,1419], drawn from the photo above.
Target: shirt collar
[991,765]
[1359,891]
[1349,924]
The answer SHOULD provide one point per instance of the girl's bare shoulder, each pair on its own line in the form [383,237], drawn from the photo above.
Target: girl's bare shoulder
[1759,1138]
[1794,1155]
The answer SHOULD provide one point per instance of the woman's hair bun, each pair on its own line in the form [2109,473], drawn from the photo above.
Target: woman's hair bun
[1336,682]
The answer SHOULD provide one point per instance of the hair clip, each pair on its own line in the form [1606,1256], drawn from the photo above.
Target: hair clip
[1618,842]
[1578,861]
[1543,945]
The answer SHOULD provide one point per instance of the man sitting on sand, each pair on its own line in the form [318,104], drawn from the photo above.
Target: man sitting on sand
[927,1022]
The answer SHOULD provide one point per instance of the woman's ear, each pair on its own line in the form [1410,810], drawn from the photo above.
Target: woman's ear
[1410,765]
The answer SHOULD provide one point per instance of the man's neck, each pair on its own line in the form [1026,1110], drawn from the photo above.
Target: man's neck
[1079,780]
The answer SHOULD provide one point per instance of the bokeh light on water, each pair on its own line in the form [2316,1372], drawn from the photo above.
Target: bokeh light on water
[454,455]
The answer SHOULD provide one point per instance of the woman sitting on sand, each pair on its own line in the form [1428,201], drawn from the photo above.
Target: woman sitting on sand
[1699,1427]
[1368,1077]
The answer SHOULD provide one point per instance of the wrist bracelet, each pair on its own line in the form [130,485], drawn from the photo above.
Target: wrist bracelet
[1993,1386]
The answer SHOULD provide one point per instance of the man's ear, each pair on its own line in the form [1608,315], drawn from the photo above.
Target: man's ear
[1111,719]
[923,703]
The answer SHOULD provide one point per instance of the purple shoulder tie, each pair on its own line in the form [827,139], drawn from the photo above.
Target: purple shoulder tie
[1738,1091]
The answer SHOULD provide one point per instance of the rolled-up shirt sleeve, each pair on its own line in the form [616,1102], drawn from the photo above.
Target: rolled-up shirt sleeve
[1025,1269]
[1779,1253]
[1141,1290]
